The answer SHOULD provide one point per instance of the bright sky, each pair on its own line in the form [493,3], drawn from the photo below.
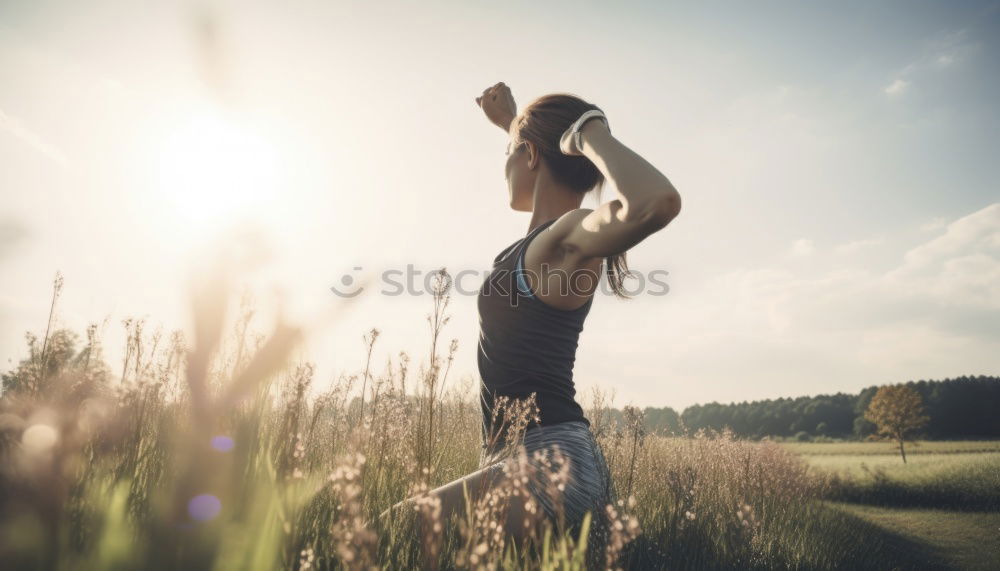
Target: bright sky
[837,163]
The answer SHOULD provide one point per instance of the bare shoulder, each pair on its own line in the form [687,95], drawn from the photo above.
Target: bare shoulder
[568,222]
[551,243]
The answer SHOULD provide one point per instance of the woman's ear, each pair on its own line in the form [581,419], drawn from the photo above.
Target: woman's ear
[532,154]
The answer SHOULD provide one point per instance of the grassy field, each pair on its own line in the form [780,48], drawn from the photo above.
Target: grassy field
[960,539]
[942,475]
[219,455]
[942,505]
[917,448]
[916,466]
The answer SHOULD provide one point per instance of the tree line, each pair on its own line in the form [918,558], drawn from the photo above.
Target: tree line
[959,408]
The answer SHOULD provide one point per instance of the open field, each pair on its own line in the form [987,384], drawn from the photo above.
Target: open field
[218,456]
[919,447]
[916,465]
[943,474]
[925,460]
[942,506]
[963,540]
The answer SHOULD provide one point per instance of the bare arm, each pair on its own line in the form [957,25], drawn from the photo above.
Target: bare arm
[649,201]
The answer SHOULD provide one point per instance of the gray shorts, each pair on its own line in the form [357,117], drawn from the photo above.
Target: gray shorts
[589,487]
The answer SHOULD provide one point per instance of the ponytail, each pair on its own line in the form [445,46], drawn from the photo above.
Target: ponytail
[616,268]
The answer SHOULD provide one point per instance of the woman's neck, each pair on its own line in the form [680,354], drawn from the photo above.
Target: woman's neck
[550,202]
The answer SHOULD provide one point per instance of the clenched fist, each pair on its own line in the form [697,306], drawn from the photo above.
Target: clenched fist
[498,105]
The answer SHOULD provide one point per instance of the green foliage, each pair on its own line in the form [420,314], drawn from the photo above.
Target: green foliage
[897,411]
[963,407]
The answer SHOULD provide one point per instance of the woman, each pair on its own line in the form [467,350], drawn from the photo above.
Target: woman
[534,302]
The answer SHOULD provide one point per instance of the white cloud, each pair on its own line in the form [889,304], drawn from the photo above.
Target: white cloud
[946,50]
[897,87]
[949,48]
[934,225]
[979,231]
[944,60]
[958,268]
[839,323]
[950,284]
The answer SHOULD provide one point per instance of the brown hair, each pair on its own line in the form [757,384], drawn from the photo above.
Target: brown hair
[543,122]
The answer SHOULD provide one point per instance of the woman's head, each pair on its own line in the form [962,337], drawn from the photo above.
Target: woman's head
[533,151]
[534,148]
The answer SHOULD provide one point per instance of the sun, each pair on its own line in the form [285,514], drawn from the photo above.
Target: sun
[211,168]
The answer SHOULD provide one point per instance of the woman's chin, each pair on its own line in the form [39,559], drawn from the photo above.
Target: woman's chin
[520,205]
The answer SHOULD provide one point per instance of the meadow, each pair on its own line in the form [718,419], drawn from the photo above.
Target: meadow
[944,501]
[219,454]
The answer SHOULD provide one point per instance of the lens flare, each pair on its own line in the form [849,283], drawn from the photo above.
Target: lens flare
[222,443]
[204,507]
[39,438]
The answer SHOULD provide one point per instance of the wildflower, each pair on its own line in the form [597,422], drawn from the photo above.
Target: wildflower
[746,516]
[306,558]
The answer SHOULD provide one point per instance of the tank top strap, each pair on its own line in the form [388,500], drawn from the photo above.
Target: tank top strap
[519,249]
[523,244]
[515,248]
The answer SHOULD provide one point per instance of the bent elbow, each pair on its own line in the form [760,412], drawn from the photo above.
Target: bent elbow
[663,209]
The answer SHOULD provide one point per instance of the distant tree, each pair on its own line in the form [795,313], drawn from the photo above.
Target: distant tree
[661,420]
[61,370]
[53,366]
[821,428]
[897,410]
[862,427]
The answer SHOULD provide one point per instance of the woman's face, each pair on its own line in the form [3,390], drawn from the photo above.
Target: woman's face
[519,177]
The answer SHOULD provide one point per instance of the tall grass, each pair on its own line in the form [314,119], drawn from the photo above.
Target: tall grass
[963,484]
[221,454]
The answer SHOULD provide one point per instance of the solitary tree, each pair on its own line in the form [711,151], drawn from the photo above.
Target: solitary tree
[897,410]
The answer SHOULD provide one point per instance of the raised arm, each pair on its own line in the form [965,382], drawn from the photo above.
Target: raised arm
[649,201]
[498,103]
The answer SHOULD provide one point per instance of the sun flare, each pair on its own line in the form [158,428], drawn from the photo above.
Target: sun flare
[211,167]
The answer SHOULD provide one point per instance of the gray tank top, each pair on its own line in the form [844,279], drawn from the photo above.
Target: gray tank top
[525,345]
